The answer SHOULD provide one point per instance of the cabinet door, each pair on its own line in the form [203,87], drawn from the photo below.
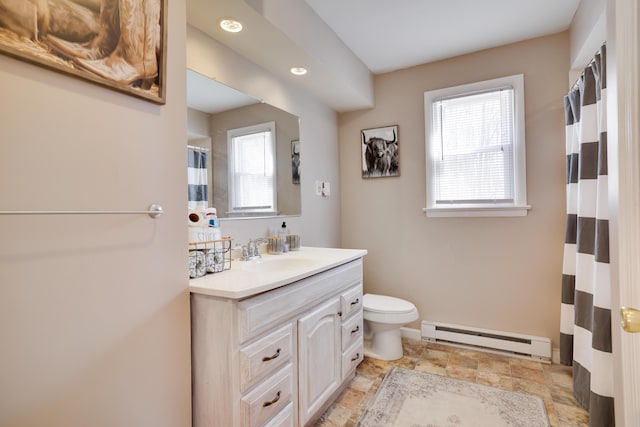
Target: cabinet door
[319,357]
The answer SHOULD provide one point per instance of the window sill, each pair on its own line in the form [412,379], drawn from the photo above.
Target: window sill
[477,211]
[251,214]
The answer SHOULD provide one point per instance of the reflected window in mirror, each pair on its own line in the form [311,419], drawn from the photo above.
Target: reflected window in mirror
[252,166]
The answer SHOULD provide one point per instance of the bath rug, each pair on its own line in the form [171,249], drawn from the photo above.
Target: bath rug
[408,398]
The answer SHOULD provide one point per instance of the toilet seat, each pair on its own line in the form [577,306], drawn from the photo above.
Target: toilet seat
[389,310]
[386,304]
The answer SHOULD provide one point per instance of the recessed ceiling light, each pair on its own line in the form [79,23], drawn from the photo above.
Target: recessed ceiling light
[231,25]
[298,71]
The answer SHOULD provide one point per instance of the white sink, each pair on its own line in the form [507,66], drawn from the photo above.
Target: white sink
[276,263]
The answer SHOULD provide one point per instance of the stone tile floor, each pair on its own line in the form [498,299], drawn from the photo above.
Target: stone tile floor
[551,382]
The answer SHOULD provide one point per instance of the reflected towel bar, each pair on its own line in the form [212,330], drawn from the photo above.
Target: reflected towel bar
[154,211]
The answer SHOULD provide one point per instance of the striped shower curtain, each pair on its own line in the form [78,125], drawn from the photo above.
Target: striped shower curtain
[197,179]
[585,323]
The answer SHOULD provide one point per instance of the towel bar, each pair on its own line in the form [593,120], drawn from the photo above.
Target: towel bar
[154,211]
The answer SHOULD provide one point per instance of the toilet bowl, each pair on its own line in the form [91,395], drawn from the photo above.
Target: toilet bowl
[383,318]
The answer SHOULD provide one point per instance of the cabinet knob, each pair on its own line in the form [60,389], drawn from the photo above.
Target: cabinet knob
[276,354]
[340,313]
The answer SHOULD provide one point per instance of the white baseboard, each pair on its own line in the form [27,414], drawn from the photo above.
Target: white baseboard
[555,356]
[411,333]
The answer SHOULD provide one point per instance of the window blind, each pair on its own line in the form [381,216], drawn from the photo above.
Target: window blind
[473,148]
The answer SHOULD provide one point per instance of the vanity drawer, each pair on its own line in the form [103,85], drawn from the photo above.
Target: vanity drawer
[259,314]
[352,358]
[352,330]
[283,419]
[264,356]
[351,301]
[268,399]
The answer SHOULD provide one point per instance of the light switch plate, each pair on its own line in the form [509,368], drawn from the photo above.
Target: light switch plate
[326,189]
[318,188]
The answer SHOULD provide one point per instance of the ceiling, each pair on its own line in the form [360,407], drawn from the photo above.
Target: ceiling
[344,43]
[209,96]
[389,35]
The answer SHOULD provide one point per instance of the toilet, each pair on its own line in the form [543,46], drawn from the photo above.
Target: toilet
[383,318]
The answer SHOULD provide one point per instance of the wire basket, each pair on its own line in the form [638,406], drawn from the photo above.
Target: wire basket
[211,256]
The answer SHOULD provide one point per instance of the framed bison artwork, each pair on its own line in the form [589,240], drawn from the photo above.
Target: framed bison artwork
[295,161]
[119,44]
[380,152]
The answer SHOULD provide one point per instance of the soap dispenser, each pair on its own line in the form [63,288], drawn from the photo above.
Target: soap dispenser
[283,237]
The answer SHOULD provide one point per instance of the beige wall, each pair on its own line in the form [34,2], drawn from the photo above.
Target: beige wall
[587,34]
[198,125]
[94,310]
[497,273]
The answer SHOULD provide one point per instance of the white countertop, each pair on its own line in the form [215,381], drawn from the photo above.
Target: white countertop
[248,278]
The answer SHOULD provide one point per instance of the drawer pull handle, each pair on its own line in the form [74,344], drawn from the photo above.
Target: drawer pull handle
[357,300]
[356,357]
[275,399]
[356,329]
[276,354]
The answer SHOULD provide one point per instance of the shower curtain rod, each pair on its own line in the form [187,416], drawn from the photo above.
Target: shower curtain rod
[193,147]
[575,85]
[154,211]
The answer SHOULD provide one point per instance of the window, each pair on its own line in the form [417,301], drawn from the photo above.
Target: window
[252,167]
[475,149]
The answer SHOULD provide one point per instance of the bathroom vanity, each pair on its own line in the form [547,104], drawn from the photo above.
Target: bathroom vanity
[275,340]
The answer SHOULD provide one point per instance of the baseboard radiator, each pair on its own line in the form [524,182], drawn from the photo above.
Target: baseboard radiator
[511,344]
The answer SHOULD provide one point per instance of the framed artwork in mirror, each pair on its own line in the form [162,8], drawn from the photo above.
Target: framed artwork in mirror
[295,161]
[119,44]
[380,152]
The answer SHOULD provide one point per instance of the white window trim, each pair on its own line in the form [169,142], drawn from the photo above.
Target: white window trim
[519,207]
[232,133]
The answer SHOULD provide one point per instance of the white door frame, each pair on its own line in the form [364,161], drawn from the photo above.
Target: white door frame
[623,128]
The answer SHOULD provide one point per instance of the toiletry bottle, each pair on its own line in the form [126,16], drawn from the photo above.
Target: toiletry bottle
[283,237]
[214,224]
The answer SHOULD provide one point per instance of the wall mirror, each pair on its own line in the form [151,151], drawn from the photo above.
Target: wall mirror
[243,154]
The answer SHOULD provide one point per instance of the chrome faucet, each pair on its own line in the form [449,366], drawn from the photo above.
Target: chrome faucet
[252,249]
